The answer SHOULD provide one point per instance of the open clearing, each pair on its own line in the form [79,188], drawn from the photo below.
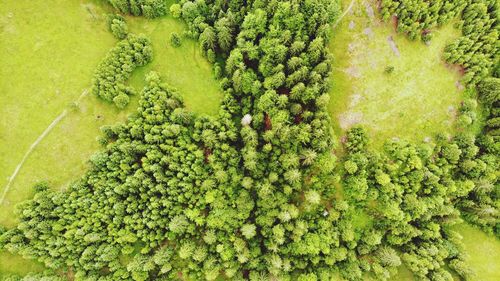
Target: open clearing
[182,67]
[417,100]
[484,251]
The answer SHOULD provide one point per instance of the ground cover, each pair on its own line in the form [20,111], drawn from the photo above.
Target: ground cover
[393,86]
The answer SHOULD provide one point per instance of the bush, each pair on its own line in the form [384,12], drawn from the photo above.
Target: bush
[175,40]
[389,69]
[118,26]
[121,100]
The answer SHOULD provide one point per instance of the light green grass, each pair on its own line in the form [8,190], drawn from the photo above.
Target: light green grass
[14,264]
[483,250]
[417,100]
[49,51]
[183,67]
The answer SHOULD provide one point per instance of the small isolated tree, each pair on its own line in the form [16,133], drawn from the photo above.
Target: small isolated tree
[119,29]
[175,39]
[121,100]
[389,69]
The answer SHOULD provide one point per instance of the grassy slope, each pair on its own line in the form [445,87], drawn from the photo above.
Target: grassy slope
[49,50]
[415,101]
[182,67]
[484,251]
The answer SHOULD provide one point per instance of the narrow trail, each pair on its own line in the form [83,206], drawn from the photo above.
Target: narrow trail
[35,144]
[344,14]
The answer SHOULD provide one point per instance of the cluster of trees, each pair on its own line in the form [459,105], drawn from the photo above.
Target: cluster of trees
[480,207]
[147,8]
[489,94]
[417,17]
[410,194]
[166,183]
[476,50]
[117,67]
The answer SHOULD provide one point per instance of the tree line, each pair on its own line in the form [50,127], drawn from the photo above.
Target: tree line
[117,67]
[146,8]
[476,50]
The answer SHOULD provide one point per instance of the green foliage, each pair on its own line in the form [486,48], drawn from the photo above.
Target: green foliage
[113,72]
[248,231]
[147,8]
[417,17]
[480,206]
[121,100]
[176,196]
[175,39]
[175,10]
[357,139]
[489,91]
[118,26]
[476,50]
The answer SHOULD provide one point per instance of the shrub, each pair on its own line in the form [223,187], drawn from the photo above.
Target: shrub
[175,39]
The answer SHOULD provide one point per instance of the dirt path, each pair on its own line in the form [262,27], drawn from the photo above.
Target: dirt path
[34,145]
[344,14]
[393,46]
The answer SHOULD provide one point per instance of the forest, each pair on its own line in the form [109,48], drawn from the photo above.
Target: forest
[265,188]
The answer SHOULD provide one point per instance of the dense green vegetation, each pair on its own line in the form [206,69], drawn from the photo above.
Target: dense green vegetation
[117,67]
[147,8]
[60,69]
[257,192]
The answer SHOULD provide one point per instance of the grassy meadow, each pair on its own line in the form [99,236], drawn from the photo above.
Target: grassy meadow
[418,99]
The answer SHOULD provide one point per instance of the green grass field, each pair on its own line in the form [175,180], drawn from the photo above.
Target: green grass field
[418,99]
[49,51]
[484,251]
[182,67]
